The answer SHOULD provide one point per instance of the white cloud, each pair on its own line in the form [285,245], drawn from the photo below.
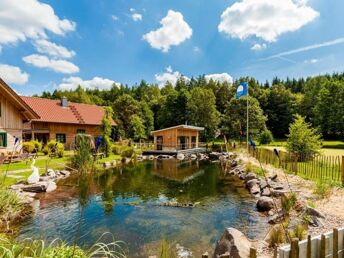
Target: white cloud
[265,19]
[196,49]
[114,17]
[52,49]
[219,77]
[12,74]
[308,48]
[22,19]
[258,47]
[72,83]
[57,65]
[312,61]
[136,17]
[169,76]
[173,31]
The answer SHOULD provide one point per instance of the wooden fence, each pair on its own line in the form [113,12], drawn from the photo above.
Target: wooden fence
[317,167]
[330,244]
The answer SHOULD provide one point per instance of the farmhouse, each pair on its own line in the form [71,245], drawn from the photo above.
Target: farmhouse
[181,137]
[14,112]
[61,120]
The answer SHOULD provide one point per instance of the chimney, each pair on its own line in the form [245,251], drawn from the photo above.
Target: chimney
[64,102]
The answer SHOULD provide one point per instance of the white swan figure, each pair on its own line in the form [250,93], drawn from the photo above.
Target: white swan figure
[34,177]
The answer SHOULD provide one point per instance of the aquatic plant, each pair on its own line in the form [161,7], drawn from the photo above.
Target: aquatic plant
[10,248]
[165,249]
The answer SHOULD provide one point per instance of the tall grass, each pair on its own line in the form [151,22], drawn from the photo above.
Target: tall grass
[10,248]
[10,206]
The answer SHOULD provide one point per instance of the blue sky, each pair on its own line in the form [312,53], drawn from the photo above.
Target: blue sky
[61,43]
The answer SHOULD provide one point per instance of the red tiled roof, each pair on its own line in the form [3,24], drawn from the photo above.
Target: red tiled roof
[51,111]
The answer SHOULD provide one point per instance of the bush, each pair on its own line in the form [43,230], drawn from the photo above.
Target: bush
[303,140]
[128,152]
[28,147]
[45,150]
[55,147]
[38,145]
[288,202]
[266,137]
[117,149]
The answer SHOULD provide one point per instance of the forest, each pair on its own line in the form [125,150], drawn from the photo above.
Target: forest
[143,107]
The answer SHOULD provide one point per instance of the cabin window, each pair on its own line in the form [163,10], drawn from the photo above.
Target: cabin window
[80,131]
[61,137]
[193,141]
[3,139]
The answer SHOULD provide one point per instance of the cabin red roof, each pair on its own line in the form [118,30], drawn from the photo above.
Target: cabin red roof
[75,113]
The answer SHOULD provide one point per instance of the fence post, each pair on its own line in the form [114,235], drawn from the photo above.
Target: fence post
[309,246]
[294,248]
[342,170]
[323,247]
[253,252]
[335,243]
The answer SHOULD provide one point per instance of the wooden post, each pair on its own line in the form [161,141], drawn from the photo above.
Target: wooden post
[225,255]
[343,170]
[335,243]
[294,248]
[309,246]
[253,252]
[275,252]
[323,247]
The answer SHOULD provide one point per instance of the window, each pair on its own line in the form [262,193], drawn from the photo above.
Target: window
[3,139]
[80,131]
[61,137]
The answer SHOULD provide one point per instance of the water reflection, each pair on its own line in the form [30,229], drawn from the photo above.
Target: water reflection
[126,202]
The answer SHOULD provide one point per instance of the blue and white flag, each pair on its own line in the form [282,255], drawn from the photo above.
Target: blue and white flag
[241,90]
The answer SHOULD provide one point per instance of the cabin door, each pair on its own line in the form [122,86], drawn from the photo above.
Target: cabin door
[159,142]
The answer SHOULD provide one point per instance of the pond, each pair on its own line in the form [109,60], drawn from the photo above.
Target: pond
[127,202]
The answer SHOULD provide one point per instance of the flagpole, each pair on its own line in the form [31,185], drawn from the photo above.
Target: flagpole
[247,119]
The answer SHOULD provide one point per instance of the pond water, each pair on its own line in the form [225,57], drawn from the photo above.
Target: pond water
[127,202]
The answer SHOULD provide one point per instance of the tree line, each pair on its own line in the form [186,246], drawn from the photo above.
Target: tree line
[144,107]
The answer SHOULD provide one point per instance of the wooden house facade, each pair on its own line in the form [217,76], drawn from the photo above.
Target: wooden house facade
[181,137]
[14,113]
[62,120]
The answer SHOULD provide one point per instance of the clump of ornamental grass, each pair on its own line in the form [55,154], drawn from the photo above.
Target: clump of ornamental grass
[288,202]
[10,206]
[82,159]
[299,232]
[11,248]
[323,188]
[277,236]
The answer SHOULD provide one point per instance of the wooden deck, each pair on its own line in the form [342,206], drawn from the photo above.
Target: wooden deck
[185,152]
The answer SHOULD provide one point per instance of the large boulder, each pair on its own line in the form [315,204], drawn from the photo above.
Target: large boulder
[265,203]
[251,183]
[233,242]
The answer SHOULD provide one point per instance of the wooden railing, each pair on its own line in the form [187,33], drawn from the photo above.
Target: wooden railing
[316,167]
[330,244]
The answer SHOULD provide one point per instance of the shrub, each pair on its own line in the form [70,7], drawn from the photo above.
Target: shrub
[38,145]
[277,236]
[57,147]
[28,147]
[128,152]
[266,137]
[117,149]
[288,202]
[45,150]
[303,140]
[298,232]
[323,188]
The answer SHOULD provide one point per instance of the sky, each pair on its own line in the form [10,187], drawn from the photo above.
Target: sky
[59,44]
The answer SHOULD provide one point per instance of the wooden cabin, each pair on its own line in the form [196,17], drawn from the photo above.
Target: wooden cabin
[181,137]
[62,120]
[14,113]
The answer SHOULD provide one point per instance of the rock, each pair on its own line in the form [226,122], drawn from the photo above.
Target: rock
[107,164]
[265,204]
[180,156]
[313,212]
[255,190]
[65,173]
[51,173]
[151,157]
[276,218]
[251,183]
[45,178]
[250,176]
[234,163]
[234,242]
[277,186]
[17,187]
[315,221]
[273,177]
[242,176]
[193,156]
[51,187]
[266,192]
[35,188]
[263,184]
